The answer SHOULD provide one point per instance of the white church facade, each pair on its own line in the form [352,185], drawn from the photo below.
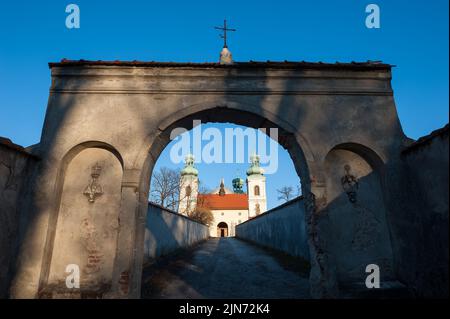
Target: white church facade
[229,207]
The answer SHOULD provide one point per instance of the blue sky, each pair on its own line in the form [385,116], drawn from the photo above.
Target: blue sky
[413,36]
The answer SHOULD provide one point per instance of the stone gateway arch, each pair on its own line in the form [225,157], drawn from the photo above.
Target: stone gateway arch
[107,123]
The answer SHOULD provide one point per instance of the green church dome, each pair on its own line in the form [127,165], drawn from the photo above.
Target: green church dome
[189,168]
[255,169]
[238,184]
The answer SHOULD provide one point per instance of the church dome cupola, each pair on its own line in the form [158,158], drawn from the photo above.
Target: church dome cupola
[238,184]
[256,188]
[255,168]
[189,168]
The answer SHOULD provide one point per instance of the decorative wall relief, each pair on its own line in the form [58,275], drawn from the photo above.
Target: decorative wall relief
[94,189]
[350,184]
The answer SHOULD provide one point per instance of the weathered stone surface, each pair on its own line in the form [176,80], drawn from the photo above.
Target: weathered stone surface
[424,254]
[129,109]
[16,166]
[87,226]
[360,234]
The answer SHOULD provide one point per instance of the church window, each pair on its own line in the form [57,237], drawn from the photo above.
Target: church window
[188,191]
[256,190]
[239,213]
[221,214]
[257,209]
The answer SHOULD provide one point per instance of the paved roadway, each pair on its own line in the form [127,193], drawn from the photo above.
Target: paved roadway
[224,268]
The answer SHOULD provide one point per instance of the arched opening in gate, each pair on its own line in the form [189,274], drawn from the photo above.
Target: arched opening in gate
[223,185]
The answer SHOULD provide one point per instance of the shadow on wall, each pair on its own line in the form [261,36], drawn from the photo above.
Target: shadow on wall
[357,215]
[425,232]
[36,200]
[67,111]
[354,221]
[282,228]
[167,231]
[86,232]
[16,167]
[361,235]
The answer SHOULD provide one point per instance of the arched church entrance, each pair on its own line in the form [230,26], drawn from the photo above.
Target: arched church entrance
[222,229]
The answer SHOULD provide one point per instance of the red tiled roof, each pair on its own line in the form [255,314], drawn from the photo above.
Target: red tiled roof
[225,202]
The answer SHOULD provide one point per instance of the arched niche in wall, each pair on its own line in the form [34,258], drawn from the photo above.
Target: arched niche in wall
[87,222]
[357,213]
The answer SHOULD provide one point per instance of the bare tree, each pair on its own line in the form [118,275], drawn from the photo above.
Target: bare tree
[165,188]
[203,189]
[285,193]
[202,213]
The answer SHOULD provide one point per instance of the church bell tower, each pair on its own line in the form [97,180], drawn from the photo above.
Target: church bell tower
[188,187]
[256,188]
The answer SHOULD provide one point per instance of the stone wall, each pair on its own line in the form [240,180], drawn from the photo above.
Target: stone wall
[424,256]
[130,109]
[281,228]
[15,166]
[167,231]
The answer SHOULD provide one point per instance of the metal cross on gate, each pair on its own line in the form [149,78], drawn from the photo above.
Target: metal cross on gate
[224,35]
